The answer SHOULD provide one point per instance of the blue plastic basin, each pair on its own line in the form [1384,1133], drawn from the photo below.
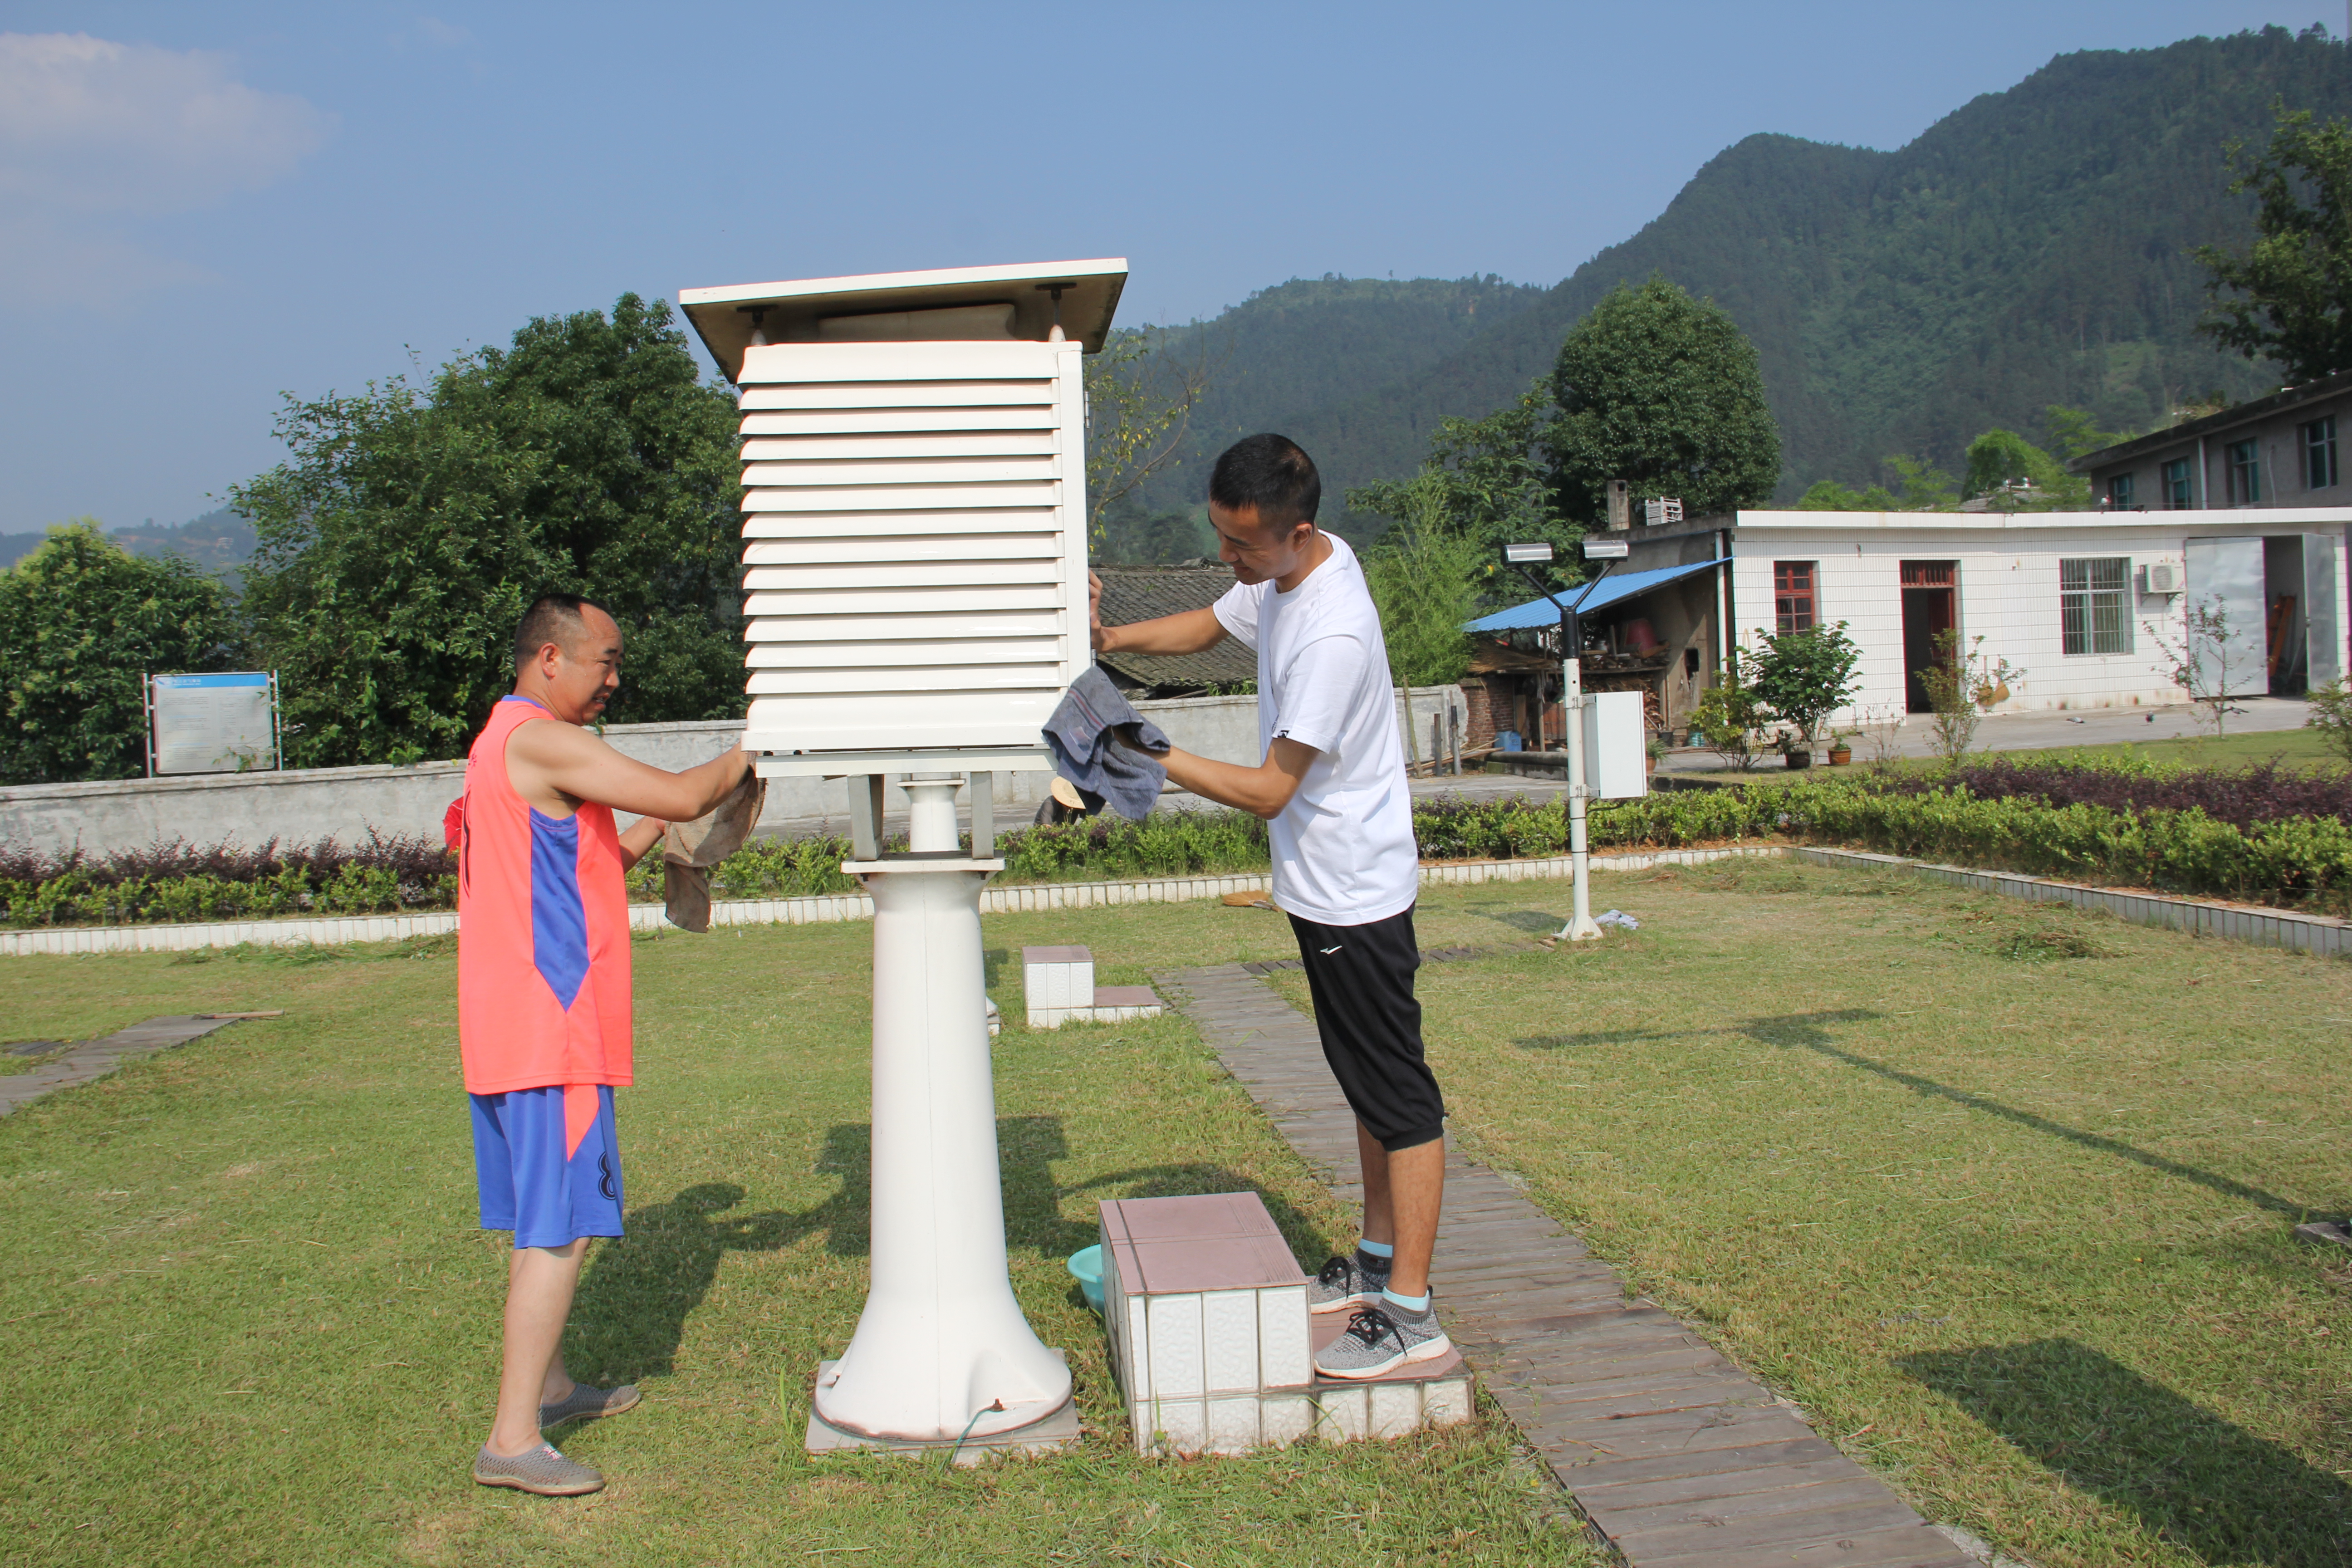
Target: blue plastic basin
[1085,1267]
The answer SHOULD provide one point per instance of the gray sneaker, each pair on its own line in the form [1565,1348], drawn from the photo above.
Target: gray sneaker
[1378,1340]
[1346,1283]
[541,1471]
[586,1403]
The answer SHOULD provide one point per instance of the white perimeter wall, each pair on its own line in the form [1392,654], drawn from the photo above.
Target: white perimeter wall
[2007,590]
[305,805]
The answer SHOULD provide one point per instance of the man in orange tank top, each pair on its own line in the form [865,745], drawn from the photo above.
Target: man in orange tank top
[543,1027]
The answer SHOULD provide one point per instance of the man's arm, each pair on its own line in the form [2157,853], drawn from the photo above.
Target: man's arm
[642,836]
[1192,631]
[1261,791]
[557,766]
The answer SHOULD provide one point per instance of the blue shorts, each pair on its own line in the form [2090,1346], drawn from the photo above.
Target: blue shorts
[532,1183]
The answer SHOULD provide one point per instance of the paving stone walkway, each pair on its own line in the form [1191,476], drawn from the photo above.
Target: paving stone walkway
[1679,1458]
[94,1059]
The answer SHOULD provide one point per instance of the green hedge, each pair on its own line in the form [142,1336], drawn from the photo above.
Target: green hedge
[2297,862]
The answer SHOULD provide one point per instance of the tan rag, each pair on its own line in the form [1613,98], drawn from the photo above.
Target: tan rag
[690,848]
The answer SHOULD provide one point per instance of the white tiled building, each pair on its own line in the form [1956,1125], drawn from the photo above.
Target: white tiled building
[2081,601]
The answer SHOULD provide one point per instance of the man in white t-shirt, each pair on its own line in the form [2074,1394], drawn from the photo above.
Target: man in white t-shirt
[1346,869]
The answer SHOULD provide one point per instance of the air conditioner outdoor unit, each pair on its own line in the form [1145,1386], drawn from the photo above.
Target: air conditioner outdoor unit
[2160,577]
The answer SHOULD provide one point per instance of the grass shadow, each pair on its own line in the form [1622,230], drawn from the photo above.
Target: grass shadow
[638,1290]
[2194,1480]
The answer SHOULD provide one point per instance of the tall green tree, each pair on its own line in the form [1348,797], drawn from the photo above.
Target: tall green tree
[1663,390]
[81,620]
[1423,579]
[2289,294]
[2003,457]
[1487,481]
[410,526]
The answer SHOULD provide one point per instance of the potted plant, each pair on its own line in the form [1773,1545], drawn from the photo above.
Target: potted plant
[1794,754]
[1840,748]
[1803,678]
[1657,752]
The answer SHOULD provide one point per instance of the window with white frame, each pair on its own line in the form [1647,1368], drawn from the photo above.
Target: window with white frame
[2320,453]
[2092,616]
[2177,493]
[2246,459]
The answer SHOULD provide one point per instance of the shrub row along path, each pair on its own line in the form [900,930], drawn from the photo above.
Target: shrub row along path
[94,1059]
[1677,1456]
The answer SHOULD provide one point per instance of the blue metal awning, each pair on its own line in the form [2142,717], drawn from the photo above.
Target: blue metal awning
[1613,589]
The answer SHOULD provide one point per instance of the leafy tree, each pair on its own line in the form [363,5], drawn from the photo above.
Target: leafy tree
[1925,488]
[1804,677]
[2293,289]
[402,539]
[2003,457]
[1423,579]
[1730,714]
[1486,481]
[81,620]
[1131,535]
[2076,433]
[1663,390]
[1141,389]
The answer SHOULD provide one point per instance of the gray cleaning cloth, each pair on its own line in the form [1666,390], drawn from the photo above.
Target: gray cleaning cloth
[690,848]
[1084,734]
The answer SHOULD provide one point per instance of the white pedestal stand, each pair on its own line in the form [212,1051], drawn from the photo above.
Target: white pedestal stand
[943,1354]
[1580,927]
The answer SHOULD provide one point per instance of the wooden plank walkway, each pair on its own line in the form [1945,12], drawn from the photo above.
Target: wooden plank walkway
[1678,1459]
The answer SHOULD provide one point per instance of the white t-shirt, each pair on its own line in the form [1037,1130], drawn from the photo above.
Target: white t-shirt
[1343,849]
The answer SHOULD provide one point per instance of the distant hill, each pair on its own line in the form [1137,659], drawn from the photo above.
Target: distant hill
[218,542]
[2028,249]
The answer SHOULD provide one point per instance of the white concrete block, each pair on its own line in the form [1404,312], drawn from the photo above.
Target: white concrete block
[1445,1402]
[1341,1414]
[1233,1425]
[1182,1424]
[1135,1351]
[1393,1410]
[1284,1419]
[1175,1350]
[1229,1336]
[1286,1358]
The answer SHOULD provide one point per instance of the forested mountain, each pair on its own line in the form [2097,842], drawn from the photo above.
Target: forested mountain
[218,542]
[2028,249]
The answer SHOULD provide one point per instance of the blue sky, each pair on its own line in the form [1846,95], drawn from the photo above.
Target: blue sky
[202,207]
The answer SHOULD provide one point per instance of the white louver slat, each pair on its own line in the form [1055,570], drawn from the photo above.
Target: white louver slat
[914,543]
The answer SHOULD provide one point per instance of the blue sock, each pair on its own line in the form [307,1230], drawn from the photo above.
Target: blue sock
[1416,1305]
[1379,1250]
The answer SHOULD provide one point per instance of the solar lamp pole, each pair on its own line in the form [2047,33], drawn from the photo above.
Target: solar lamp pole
[1580,927]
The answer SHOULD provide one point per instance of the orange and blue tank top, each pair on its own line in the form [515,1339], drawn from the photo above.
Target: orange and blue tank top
[542,930]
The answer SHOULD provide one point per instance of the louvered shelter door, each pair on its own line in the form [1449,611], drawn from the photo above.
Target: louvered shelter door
[913,542]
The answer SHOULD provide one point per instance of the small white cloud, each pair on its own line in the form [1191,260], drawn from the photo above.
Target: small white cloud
[89,126]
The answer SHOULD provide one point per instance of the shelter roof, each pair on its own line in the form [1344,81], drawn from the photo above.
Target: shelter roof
[1613,589]
[792,312]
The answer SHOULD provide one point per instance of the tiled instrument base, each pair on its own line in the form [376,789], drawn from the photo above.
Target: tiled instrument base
[1676,1456]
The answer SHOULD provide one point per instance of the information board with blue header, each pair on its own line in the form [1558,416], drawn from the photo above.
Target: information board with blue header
[218,723]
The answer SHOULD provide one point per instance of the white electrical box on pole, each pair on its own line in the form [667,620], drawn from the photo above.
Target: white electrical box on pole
[1582,765]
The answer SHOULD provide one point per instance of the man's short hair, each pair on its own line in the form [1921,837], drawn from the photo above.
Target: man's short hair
[1271,473]
[551,619]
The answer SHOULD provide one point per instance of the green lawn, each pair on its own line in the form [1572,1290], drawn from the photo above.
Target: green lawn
[252,1320]
[2001,1194]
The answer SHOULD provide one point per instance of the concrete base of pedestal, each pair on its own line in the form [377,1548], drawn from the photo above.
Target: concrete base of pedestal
[1056,1431]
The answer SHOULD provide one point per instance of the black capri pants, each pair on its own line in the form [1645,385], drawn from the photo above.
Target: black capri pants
[1361,979]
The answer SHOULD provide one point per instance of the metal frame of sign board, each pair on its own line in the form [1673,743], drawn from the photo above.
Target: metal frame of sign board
[148,683]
